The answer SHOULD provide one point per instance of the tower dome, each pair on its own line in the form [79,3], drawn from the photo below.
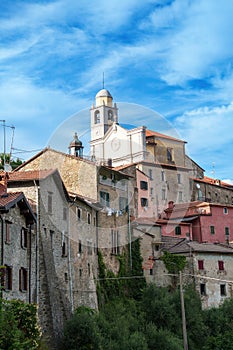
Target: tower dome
[103,97]
[76,146]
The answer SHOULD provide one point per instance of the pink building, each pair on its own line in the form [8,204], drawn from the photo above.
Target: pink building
[211,222]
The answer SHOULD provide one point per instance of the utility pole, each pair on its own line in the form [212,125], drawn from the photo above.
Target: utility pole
[185,341]
[4,140]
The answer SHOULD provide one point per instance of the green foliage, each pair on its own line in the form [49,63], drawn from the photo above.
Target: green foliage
[18,326]
[174,263]
[129,282]
[81,333]
[14,163]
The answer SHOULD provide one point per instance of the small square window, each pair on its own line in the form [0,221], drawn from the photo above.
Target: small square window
[178,230]
[227,231]
[88,218]
[144,185]
[78,212]
[144,202]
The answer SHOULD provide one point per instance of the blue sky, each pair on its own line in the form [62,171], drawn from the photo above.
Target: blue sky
[171,57]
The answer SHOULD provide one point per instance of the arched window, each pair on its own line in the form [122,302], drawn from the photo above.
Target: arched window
[110,115]
[97,117]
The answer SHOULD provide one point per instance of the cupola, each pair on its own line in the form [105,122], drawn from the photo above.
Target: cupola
[76,147]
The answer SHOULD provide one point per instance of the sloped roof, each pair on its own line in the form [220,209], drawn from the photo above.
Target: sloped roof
[179,246]
[157,134]
[30,175]
[8,200]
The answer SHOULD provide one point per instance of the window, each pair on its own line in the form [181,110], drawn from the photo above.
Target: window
[180,196]
[200,264]
[23,279]
[89,247]
[231,200]
[66,277]
[221,265]
[223,290]
[80,272]
[8,277]
[212,230]
[178,230]
[89,269]
[110,115]
[24,238]
[151,272]
[227,231]
[163,194]
[144,202]
[78,211]
[8,231]
[115,242]
[179,178]
[88,218]
[104,198]
[162,175]
[80,249]
[123,203]
[50,202]
[97,117]
[144,185]
[202,289]
[151,177]
[227,199]
[170,154]
[64,249]
[199,195]
[64,213]
[225,210]
[151,191]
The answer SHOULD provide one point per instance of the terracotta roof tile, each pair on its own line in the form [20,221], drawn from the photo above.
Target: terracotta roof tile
[29,175]
[157,134]
[9,197]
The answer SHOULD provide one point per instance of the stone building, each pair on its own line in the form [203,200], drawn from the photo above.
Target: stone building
[207,189]
[98,184]
[17,242]
[209,267]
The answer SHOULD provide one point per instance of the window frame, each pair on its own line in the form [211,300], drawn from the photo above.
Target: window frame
[23,279]
[144,185]
[200,264]
[105,198]
[221,265]
[24,238]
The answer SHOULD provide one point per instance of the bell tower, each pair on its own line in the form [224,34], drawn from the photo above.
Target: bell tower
[103,114]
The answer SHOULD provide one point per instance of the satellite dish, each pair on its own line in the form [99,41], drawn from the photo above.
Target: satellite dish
[7,167]
[198,186]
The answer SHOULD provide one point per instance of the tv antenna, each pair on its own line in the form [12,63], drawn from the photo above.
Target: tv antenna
[213,170]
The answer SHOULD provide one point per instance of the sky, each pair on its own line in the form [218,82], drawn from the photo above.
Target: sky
[168,64]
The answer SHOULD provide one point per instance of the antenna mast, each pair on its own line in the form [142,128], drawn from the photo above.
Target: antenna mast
[103,80]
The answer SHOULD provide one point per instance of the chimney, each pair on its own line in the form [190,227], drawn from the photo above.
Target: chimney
[3,183]
[170,205]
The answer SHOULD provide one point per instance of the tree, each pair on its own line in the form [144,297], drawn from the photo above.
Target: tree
[13,163]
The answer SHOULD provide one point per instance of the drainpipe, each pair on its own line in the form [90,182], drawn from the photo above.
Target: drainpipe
[30,264]
[69,264]
[37,242]
[129,230]
[2,241]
